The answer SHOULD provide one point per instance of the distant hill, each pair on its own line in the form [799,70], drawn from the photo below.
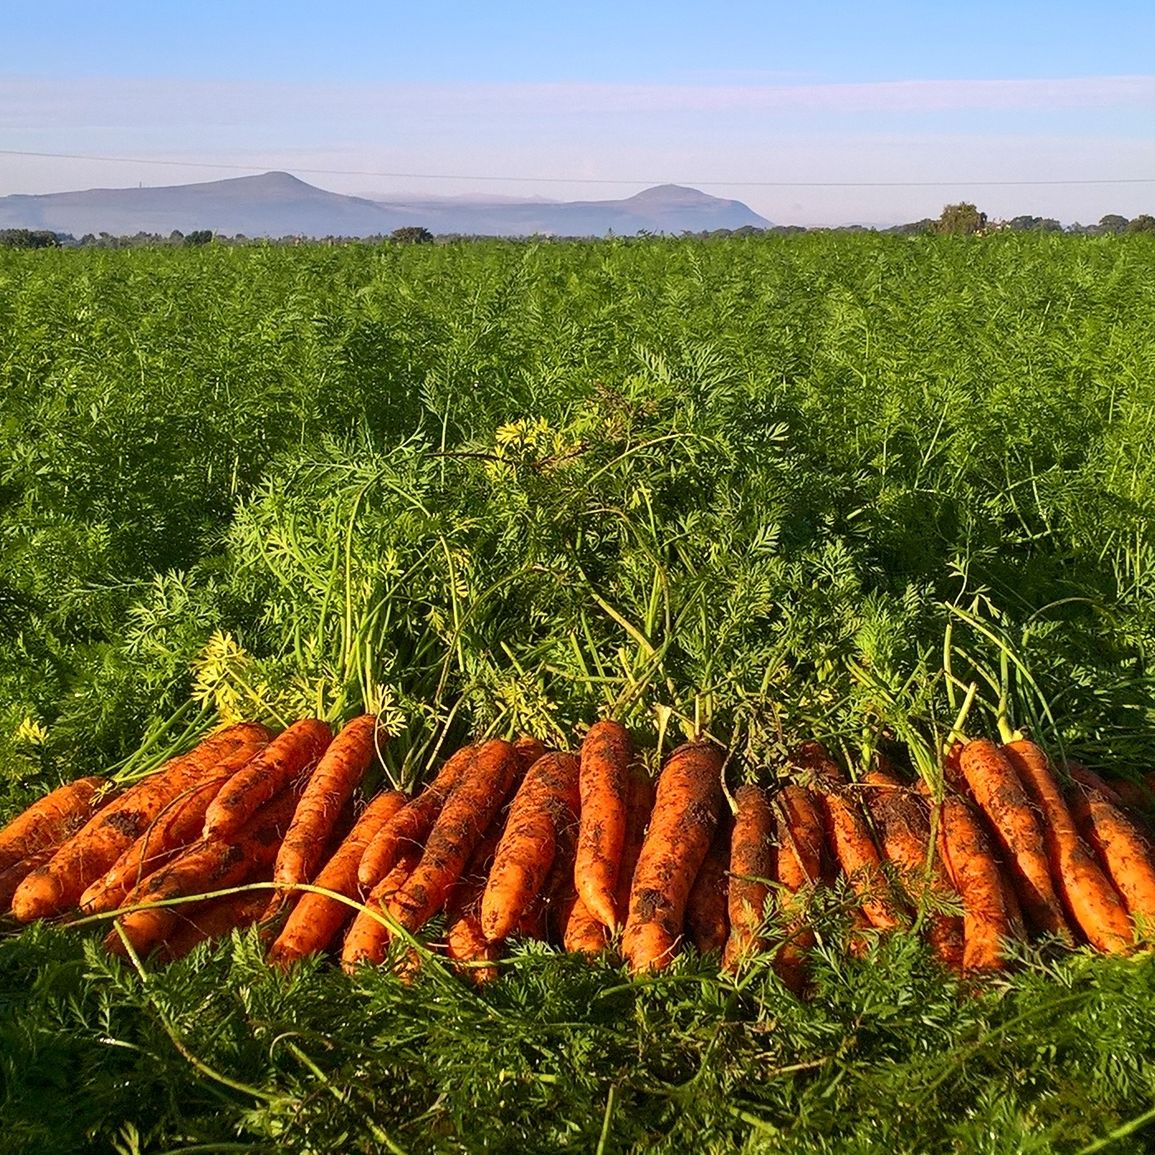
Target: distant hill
[277,204]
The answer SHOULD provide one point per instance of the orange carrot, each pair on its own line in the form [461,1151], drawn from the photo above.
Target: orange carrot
[547,800]
[857,854]
[528,750]
[900,818]
[1001,797]
[751,872]
[1124,852]
[706,914]
[14,875]
[799,837]
[209,865]
[410,826]
[689,800]
[214,919]
[975,875]
[170,832]
[581,932]
[461,824]
[368,938]
[51,820]
[465,942]
[331,785]
[605,774]
[58,885]
[639,805]
[1095,781]
[285,759]
[316,920]
[1089,898]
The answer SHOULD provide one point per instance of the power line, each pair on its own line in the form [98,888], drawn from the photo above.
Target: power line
[476,178]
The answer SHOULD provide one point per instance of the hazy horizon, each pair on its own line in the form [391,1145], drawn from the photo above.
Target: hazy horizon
[826,116]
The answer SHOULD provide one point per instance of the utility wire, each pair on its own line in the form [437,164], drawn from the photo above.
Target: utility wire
[474,178]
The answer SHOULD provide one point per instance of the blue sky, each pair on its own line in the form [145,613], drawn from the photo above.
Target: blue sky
[815,113]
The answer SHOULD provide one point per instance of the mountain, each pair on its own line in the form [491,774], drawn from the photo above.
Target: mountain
[277,204]
[666,208]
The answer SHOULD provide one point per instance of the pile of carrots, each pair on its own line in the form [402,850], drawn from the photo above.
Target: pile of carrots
[510,840]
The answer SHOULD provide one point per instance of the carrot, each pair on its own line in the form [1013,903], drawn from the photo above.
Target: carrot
[331,785]
[14,875]
[459,827]
[51,820]
[1002,798]
[1124,852]
[528,750]
[368,938]
[605,774]
[214,919]
[706,914]
[171,831]
[689,800]
[410,826]
[317,918]
[546,800]
[799,837]
[751,872]
[639,805]
[465,942]
[1095,781]
[58,884]
[581,932]
[857,854]
[208,865]
[559,890]
[975,875]
[1088,897]
[286,757]
[900,818]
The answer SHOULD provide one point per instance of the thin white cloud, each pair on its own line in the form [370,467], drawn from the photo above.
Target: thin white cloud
[28,103]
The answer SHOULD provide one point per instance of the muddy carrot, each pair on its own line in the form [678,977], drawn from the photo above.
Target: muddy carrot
[686,810]
[330,786]
[367,940]
[285,759]
[215,919]
[1002,798]
[857,855]
[51,820]
[316,920]
[58,885]
[1126,855]
[460,826]
[605,775]
[209,865]
[465,942]
[901,821]
[410,826]
[528,750]
[751,873]
[639,805]
[970,863]
[1087,895]
[799,839]
[176,827]
[546,800]
[706,914]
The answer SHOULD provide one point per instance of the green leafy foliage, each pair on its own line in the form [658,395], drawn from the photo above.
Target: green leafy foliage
[772,488]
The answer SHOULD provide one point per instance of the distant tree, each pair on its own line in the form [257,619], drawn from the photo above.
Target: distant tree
[28,239]
[176,237]
[412,235]
[1143,223]
[1024,223]
[198,237]
[1113,223]
[960,219]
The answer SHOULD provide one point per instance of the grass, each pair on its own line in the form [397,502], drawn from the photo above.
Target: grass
[830,486]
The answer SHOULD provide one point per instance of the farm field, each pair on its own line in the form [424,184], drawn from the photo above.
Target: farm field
[833,486]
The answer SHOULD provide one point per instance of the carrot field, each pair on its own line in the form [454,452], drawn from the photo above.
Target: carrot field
[862,489]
